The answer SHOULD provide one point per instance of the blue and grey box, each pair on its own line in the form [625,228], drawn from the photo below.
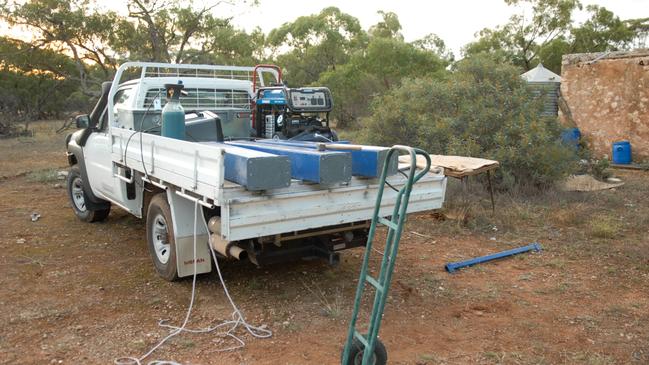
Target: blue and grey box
[322,167]
[255,170]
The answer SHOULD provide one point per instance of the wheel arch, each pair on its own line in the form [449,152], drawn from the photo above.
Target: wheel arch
[75,157]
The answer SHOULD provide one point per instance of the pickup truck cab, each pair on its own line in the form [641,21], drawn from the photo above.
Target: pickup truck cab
[119,159]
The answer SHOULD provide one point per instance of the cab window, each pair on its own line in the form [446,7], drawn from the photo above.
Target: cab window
[122,98]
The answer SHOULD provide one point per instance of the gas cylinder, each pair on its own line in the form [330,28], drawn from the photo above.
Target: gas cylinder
[173,114]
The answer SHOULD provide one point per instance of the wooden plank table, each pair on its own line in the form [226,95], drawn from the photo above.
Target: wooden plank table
[459,167]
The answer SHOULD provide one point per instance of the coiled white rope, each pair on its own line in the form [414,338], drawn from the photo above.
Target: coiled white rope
[237,319]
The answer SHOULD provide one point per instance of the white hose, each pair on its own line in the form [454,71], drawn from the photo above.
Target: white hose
[237,319]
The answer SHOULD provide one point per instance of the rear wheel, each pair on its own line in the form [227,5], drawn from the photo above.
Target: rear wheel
[160,237]
[379,357]
[79,198]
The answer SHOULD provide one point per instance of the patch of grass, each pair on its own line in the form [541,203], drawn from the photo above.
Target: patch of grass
[294,327]
[569,216]
[592,359]
[618,311]
[557,263]
[254,284]
[525,277]
[429,357]
[44,176]
[330,307]
[494,357]
[563,287]
[603,227]
[586,321]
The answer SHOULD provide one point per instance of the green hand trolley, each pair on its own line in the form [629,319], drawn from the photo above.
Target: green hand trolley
[366,349]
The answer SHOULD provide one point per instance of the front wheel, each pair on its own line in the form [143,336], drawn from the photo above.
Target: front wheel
[160,237]
[380,356]
[79,199]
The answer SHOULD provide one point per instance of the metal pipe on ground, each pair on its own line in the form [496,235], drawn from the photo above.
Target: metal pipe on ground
[451,267]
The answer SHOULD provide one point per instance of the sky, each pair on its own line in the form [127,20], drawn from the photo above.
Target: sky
[455,21]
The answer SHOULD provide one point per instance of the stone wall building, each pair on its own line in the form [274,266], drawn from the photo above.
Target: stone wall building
[606,95]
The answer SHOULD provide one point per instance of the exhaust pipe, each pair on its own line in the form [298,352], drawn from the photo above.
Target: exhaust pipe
[225,248]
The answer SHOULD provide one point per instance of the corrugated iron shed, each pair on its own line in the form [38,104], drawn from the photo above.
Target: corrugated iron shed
[545,83]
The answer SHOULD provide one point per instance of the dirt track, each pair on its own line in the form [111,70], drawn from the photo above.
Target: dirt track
[87,293]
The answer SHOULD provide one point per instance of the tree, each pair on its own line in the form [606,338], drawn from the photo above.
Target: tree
[602,32]
[153,30]
[550,33]
[385,61]
[316,43]
[68,27]
[172,30]
[640,28]
[31,84]
[388,27]
[433,43]
[520,40]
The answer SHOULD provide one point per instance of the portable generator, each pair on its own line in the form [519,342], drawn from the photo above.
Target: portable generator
[298,114]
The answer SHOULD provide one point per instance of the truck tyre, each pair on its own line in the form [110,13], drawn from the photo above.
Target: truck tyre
[356,354]
[160,237]
[79,198]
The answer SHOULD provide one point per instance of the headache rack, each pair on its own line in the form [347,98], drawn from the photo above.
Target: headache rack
[244,73]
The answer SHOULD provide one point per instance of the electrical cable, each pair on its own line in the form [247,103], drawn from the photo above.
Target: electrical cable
[138,361]
[237,318]
[142,131]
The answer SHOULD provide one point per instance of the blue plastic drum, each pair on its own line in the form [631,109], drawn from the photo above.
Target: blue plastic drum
[622,152]
[570,137]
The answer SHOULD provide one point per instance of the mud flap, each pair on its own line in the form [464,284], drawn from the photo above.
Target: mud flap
[182,211]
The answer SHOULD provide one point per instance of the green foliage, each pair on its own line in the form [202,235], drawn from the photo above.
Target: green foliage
[433,43]
[43,176]
[549,33]
[31,85]
[385,61]
[482,109]
[97,41]
[389,27]
[603,227]
[602,32]
[599,169]
[520,39]
[317,43]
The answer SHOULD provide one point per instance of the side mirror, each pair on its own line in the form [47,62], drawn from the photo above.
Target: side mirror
[83,121]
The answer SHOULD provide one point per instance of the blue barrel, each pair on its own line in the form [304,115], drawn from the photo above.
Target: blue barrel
[622,152]
[570,137]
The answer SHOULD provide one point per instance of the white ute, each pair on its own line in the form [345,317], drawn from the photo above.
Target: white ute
[119,159]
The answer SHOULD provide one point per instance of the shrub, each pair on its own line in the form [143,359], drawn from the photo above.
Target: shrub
[603,227]
[600,169]
[483,109]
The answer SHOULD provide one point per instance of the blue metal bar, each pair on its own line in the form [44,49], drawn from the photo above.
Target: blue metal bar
[366,162]
[452,266]
[322,167]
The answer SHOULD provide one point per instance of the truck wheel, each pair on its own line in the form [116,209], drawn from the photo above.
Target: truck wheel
[160,237]
[356,354]
[78,198]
